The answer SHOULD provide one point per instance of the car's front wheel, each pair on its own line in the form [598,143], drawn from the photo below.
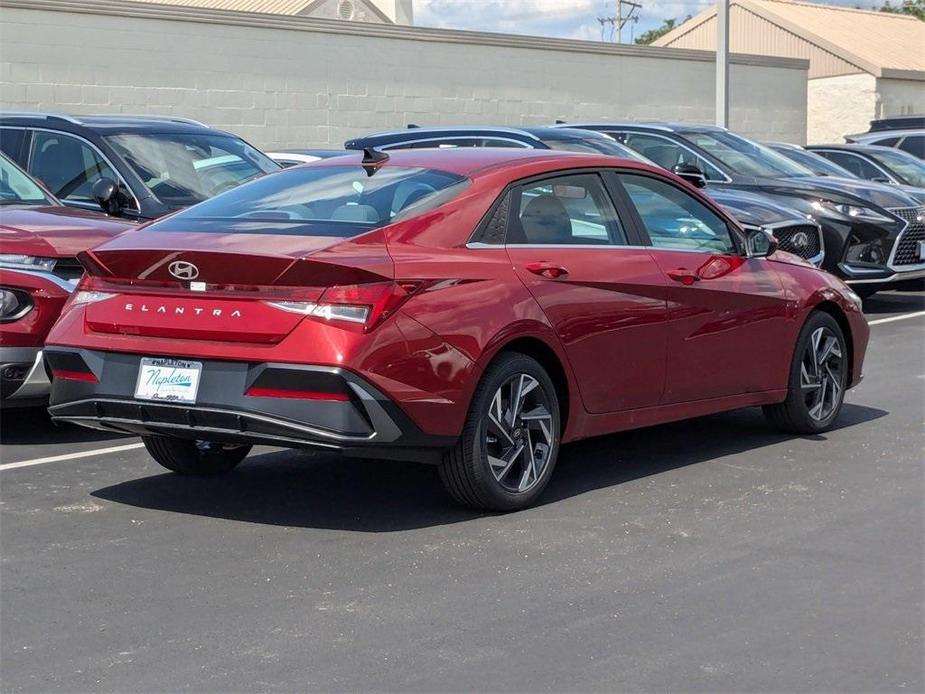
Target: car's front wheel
[508,448]
[195,457]
[818,379]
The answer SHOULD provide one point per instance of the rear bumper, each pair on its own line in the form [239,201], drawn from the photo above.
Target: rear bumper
[23,380]
[362,421]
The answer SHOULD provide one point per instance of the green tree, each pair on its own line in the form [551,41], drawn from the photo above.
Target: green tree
[667,25]
[914,8]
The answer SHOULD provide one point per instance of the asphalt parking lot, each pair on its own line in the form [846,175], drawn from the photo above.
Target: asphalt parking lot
[712,555]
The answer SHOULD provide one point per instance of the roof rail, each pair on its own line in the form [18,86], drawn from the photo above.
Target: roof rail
[148,116]
[37,114]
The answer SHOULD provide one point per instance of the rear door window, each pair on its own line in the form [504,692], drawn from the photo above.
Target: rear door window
[915,145]
[859,166]
[11,143]
[567,210]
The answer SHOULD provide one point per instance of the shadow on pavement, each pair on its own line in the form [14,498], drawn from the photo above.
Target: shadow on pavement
[32,426]
[893,302]
[302,489]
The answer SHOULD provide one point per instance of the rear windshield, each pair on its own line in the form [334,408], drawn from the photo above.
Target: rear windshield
[320,201]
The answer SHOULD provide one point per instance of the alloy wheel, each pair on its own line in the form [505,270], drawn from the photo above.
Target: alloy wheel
[518,434]
[822,374]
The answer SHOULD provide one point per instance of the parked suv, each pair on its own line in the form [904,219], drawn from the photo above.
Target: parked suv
[794,232]
[902,132]
[134,166]
[872,232]
[876,163]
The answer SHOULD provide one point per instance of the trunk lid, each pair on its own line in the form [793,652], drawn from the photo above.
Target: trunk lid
[215,286]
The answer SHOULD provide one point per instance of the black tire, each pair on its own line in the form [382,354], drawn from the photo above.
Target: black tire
[195,457]
[466,472]
[798,414]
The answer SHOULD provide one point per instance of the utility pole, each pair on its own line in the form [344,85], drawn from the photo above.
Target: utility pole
[722,63]
[630,16]
[618,21]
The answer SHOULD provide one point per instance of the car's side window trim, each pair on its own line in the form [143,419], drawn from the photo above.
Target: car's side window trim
[734,233]
[75,203]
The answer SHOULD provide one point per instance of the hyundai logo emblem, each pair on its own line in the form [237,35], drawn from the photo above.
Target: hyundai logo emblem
[183,270]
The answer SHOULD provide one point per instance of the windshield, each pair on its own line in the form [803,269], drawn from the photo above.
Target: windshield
[183,169]
[745,157]
[595,145]
[16,188]
[816,163]
[320,201]
[907,167]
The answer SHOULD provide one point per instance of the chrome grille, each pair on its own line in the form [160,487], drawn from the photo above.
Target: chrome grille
[906,250]
[800,239]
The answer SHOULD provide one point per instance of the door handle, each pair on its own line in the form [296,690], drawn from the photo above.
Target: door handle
[549,270]
[684,276]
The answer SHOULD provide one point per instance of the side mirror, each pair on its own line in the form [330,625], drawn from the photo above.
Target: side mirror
[106,194]
[759,243]
[691,174]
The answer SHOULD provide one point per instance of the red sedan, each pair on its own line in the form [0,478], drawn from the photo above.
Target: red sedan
[39,241]
[472,308]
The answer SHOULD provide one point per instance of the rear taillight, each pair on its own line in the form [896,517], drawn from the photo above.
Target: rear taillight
[363,305]
[85,293]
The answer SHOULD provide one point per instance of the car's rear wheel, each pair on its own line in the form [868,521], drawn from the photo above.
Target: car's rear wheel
[510,442]
[195,457]
[818,379]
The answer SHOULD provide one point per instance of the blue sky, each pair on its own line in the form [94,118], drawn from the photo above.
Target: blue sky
[575,19]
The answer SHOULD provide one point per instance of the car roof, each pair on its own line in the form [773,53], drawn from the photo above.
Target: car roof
[321,153]
[785,145]
[468,161]
[107,124]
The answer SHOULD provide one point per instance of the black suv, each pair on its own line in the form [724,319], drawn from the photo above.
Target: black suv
[139,167]
[872,232]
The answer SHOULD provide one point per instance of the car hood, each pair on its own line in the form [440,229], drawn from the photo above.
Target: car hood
[55,232]
[752,209]
[841,190]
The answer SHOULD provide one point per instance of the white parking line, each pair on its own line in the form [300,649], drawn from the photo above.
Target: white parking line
[70,456]
[917,314]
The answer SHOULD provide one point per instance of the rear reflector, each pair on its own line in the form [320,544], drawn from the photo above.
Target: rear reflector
[85,376]
[258,392]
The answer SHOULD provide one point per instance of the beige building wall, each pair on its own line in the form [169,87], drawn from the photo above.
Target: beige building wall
[306,82]
[898,97]
[839,106]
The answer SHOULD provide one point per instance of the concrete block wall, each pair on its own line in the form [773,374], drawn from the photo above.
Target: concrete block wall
[839,106]
[313,83]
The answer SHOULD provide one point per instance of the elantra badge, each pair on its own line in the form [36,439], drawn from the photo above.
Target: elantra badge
[183,270]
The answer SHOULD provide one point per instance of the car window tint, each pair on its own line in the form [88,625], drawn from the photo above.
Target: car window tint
[676,220]
[67,166]
[573,209]
[914,144]
[885,142]
[669,154]
[855,164]
[11,140]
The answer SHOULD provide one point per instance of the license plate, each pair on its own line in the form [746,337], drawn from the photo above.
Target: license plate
[921,250]
[169,380]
